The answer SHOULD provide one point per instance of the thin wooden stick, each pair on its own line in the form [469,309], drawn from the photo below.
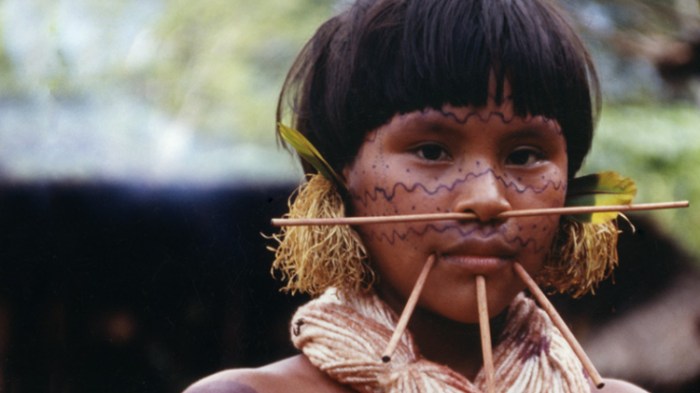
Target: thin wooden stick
[560,324]
[408,309]
[485,333]
[471,216]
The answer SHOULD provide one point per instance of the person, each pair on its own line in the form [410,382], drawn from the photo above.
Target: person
[424,106]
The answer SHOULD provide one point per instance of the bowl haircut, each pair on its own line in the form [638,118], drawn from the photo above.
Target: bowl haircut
[383,57]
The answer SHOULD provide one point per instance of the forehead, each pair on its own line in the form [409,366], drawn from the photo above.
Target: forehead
[499,107]
[499,100]
[499,115]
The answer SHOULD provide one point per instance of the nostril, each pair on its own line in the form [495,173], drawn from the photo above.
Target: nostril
[486,212]
[480,216]
[484,196]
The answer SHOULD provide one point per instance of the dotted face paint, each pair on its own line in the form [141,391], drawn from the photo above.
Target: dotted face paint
[483,160]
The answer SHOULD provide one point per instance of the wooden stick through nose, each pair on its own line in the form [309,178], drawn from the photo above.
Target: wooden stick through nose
[560,324]
[279,222]
[408,309]
[485,333]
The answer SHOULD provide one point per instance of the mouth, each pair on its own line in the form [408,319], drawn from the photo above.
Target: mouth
[479,257]
[478,265]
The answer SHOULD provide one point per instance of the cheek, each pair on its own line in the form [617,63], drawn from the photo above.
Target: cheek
[537,233]
[546,189]
[377,188]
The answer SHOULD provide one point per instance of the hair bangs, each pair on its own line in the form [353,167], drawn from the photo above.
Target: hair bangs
[443,57]
[383,57]
[449,51]
[517,45]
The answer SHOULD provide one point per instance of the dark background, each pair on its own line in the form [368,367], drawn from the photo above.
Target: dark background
[108,288]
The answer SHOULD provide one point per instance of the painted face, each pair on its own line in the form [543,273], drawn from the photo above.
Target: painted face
[485,161]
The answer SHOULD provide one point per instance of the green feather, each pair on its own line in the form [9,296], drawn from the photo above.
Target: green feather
[600,189]
[307,151]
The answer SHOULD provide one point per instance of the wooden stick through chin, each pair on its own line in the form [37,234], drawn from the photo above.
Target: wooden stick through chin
[560,324]
[280,222]
[408,309]
[485,333]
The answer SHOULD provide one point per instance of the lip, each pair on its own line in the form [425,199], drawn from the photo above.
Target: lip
[492,247]
[479,257]
[477,264]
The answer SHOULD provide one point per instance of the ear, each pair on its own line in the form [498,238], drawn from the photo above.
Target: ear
[346,173]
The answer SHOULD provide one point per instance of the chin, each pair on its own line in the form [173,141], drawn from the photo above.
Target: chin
[467,312]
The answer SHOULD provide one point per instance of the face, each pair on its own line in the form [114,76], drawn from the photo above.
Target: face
[458,159]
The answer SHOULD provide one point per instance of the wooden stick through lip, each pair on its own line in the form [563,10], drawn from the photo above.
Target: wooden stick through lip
[408,309]
[471,216]
[560,324]
[485,330]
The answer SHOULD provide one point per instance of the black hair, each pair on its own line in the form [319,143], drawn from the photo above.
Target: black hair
[383,57]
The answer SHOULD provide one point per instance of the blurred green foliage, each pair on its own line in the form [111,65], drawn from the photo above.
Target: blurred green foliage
[222,62]
[659,147]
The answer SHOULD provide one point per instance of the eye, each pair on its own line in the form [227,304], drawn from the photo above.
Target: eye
[432,152]
[524,156]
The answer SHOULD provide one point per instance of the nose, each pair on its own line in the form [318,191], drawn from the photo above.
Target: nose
[484,196]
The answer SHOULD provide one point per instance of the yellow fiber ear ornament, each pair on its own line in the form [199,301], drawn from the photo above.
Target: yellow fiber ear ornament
[584,252]
[312,259]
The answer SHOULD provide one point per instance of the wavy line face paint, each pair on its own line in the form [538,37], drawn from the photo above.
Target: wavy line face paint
[485,160]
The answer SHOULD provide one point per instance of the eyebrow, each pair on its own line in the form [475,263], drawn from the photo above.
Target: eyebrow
[534,130]
[422,122]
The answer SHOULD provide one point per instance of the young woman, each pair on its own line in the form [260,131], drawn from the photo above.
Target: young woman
[424,106]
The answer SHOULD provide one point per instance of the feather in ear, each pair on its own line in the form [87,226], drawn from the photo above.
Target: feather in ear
[600,189]
[308,152]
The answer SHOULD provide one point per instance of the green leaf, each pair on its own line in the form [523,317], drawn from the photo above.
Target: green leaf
[308,152]
[600,189]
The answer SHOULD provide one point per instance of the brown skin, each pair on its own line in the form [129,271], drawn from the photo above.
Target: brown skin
[297,375]
[456,159]
[484,161]
[291,375]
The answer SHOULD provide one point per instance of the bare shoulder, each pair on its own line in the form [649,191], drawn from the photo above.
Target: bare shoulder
[619,386]
[291,375]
